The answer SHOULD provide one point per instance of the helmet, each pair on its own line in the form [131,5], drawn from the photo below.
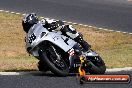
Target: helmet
[28,21]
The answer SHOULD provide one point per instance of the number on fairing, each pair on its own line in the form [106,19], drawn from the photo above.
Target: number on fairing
[65,40]
[31,38]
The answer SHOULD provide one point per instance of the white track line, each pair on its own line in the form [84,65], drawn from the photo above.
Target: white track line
[119,69]
[71,23]
[38,72]
[129,0]
[20,73]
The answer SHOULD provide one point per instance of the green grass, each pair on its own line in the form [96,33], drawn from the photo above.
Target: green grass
[115,48]
[18,63]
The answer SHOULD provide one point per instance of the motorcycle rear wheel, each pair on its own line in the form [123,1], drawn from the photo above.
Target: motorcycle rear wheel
[97,66]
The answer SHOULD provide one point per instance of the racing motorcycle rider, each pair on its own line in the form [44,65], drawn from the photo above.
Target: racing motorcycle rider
[30,19]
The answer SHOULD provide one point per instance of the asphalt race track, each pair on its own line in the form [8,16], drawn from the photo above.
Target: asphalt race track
[49,80]
[111,14]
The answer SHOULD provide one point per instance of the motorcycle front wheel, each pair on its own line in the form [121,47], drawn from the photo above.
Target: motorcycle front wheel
[42,67]
[54,60]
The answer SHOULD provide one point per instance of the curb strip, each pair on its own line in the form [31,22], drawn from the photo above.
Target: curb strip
[38,72]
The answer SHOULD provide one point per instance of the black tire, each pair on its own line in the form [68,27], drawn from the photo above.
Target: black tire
[97,67]
[42,66]
[47,58]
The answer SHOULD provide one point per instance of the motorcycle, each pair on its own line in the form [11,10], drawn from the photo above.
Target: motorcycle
[60,54]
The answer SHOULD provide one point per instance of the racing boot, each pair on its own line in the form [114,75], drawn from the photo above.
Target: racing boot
[71,32]
[82,42]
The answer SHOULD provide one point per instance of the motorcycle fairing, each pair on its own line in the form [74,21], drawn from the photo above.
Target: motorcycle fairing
[38,34]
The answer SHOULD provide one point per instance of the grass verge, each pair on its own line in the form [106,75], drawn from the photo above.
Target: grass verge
[115,48]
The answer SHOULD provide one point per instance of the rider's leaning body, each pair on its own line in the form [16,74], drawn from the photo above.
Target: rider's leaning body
[31,19]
